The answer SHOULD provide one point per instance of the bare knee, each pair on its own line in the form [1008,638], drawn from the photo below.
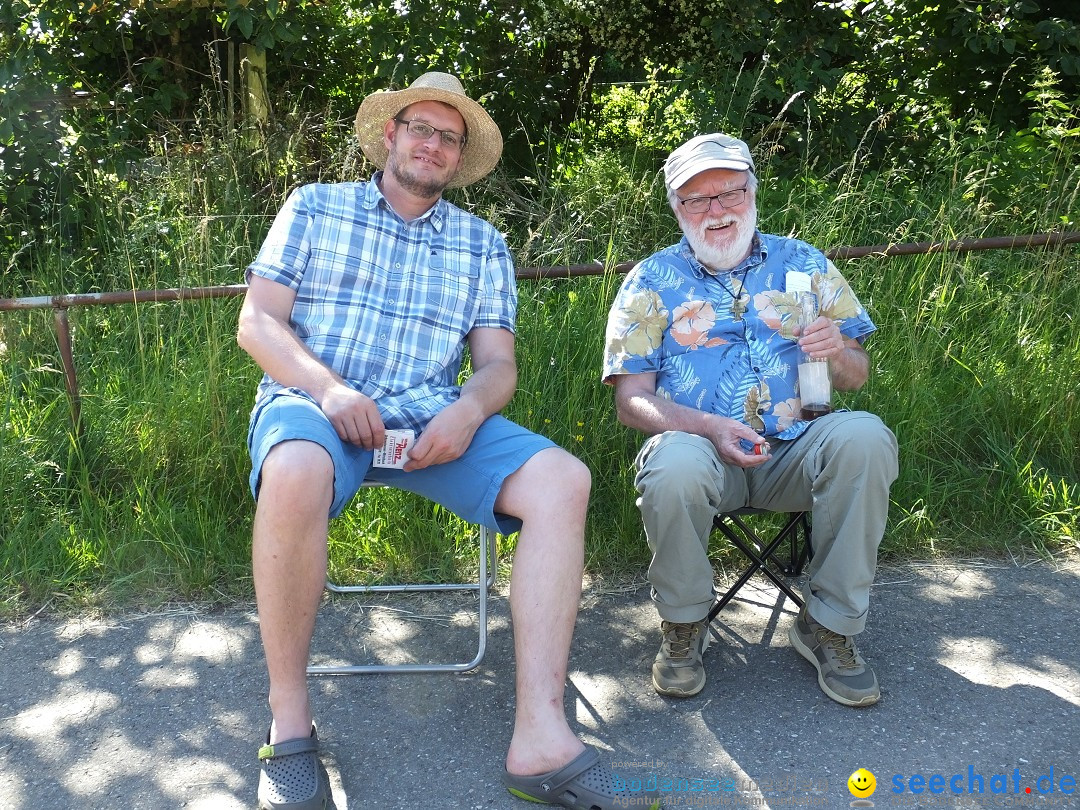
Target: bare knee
[551,483]
[570,479]
[575,481]
[297,474]
[563,479]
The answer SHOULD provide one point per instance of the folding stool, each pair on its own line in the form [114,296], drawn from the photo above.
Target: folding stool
[766,555]
[488,569]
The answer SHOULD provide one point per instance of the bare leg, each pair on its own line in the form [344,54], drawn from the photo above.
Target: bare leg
[550,494]
[289,565]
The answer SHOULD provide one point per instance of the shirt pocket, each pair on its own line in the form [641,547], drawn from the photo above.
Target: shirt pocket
[453,293]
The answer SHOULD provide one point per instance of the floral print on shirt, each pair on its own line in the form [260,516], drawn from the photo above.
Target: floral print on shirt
[724,343]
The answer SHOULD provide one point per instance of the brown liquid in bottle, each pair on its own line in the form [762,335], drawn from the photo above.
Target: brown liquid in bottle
[814,410]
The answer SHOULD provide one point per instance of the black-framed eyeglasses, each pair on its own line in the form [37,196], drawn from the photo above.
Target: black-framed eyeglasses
[422,130]
[727,199]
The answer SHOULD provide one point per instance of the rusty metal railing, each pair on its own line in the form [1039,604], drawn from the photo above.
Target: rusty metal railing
[858,252]
[60,304]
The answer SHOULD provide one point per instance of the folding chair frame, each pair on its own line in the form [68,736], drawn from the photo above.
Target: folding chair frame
[765,556]
[485,580]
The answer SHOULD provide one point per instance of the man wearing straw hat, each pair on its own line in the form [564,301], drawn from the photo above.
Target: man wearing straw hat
[360,304]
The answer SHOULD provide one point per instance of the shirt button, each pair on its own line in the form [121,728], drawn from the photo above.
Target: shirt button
[373,377]
[382,337]
[398,265]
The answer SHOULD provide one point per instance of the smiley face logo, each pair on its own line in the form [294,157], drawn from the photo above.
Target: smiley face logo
[862,784]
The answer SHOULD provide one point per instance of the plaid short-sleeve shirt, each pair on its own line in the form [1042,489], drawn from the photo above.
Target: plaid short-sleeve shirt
[386,303]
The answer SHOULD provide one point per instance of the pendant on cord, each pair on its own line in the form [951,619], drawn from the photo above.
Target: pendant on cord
[738,307]
[740,300]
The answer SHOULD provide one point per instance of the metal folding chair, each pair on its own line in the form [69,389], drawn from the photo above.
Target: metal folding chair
[766,555]
[488,568]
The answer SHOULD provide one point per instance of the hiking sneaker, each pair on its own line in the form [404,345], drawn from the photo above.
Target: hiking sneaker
[677,670]
[842,673]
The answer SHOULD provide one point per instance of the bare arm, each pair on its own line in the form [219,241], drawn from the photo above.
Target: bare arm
[265,333]
[638,406]
[486,392]
[849,364]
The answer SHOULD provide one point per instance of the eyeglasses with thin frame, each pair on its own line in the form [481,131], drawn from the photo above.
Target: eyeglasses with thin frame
[727,199]
[421,130]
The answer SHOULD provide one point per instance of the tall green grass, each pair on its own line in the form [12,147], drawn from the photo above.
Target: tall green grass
[975,365]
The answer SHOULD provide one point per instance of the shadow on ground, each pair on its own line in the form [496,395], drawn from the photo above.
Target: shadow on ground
[979,664]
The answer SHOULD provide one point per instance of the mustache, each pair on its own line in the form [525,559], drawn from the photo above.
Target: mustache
[727,221]
[422,152]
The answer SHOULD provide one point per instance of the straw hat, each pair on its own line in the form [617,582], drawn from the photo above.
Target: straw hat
[483,142]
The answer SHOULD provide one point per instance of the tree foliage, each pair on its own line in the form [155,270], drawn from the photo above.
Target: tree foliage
[84,80]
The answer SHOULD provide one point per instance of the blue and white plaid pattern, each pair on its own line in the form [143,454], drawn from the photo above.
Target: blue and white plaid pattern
[383,302]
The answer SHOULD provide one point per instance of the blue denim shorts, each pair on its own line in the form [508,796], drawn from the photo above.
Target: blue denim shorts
[467,486]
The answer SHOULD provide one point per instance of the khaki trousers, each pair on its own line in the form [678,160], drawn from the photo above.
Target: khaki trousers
[840,469]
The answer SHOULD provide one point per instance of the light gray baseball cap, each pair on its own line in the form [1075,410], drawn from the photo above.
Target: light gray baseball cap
[713,151]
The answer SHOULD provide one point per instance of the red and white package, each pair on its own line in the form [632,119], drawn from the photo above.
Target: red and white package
[394,448]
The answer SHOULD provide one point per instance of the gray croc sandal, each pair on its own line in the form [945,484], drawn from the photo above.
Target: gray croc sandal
[289,778]
[583,784]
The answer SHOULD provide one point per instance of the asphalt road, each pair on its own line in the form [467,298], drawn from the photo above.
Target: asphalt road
[979,664]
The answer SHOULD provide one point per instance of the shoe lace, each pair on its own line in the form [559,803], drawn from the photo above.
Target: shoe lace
[679,638]
[842,646]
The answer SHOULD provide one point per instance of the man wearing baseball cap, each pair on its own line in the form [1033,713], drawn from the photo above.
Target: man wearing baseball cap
[702,348]
[360,304]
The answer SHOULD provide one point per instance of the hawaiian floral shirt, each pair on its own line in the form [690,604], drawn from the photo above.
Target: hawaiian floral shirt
[723,342]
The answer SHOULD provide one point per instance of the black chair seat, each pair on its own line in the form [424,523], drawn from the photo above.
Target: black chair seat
[769,555]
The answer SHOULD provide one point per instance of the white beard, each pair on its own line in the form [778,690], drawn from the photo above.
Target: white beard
[737,240]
